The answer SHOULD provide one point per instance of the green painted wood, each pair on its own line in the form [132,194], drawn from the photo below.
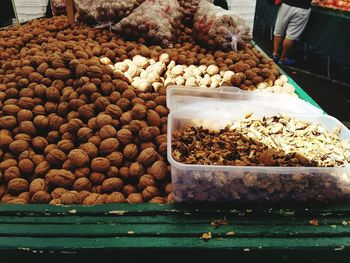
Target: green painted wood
[181,243]
[174,230]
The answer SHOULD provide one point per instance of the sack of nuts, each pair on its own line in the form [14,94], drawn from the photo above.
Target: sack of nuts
[104,12]
[188,9]
[218,28]
[58,7]
[155,21]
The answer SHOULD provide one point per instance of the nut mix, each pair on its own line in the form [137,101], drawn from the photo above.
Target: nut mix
[72,118]
[271,141]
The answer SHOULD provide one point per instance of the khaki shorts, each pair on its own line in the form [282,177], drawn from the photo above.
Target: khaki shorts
[291,21]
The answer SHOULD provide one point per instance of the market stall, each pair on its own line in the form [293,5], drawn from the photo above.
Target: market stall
[324,33]
[88,132]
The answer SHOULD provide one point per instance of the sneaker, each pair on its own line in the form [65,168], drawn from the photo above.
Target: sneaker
[275,58]
[287,62]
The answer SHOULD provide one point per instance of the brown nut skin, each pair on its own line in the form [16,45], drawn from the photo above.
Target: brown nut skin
[11,173]
[159,170]
[70,198]
[38,184]
[130,151]
[146,180]
[115,197]
[116,158]
[100,164]
[135,198]
[150,192]
[60,177]
[108,131]
[17,185]
[58,192]
[136,170]
[158,200]
[95,199]
[90,149]
[78,158]
[125,136]
[147,157]
[109,145]
[40,197]
[82,184]
[153,118]
[56,157]
[18,146]
[112,185]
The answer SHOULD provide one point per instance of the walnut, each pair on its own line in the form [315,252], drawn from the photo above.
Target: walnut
[55,201]
[125,136]
[25,196]
[123,104]
[158,200]
[126,117]
[136,170]
[90,149]
[78,158]
[41,122]
[26,166]
[168,188]
[18,146]
[100,164]
[129,94]
[70,198]
[17,201]
[112,184]
[60,177]
[40,197]
[124,172]
[82,172]
[38,184]
[58,192]
[103,119]
[162,111]
[42,169]
[135,198]
[147,157]
[11,173]
[108,131]
[116,158]
[109,145]
[153,118]
[115,197]
[114,111]
[146,180]
[130,151]
[17,185]
[94,199]
[39,143]
[4,165]
[5,141]
[86,112]
[159,170]
[74,125]
[84,134]
[138,111]
[56,157]
[66,146]
[26,115]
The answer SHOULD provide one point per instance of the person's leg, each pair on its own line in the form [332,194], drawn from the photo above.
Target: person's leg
[280,30]
[277,40]
[287,46]
[294,30]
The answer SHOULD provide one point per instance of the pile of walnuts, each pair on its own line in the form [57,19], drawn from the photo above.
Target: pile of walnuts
[72,131]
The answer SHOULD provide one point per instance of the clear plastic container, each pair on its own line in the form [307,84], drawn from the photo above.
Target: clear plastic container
[216,183]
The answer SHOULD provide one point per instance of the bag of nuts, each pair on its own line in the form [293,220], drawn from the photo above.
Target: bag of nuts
[104,12]
[188,9]
[58,7]
[156,21]
[218,28]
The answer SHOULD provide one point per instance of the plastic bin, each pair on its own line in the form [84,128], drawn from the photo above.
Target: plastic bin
[216,183]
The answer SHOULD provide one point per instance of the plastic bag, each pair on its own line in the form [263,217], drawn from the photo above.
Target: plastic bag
[188,9]
[58,7]
[218,28]
[156,21]
[104,12]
